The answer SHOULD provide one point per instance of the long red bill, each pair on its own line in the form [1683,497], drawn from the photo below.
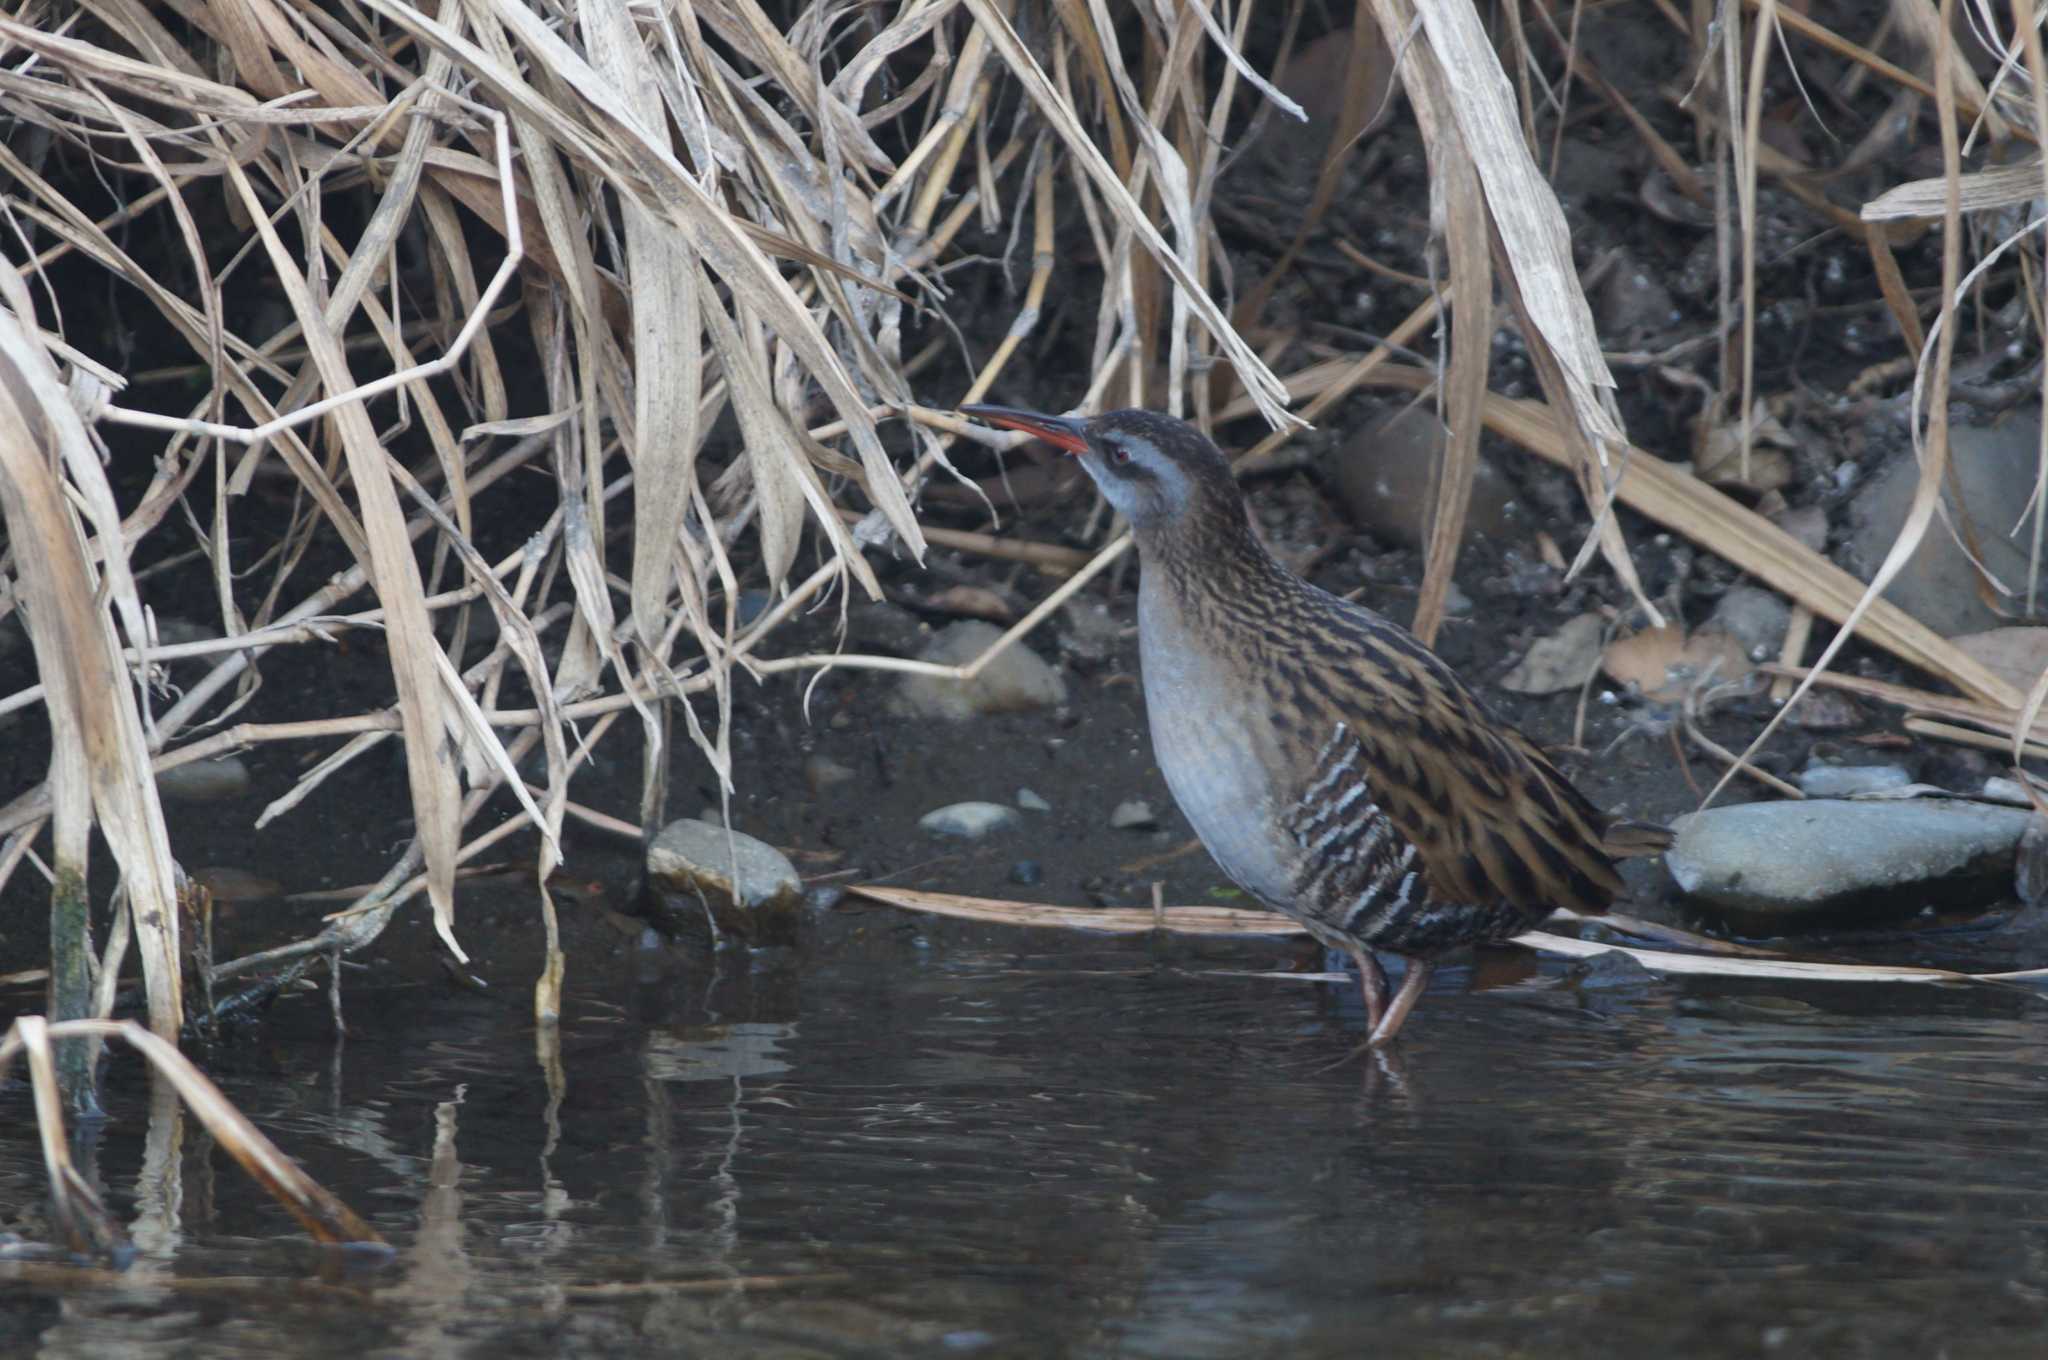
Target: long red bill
[1062,432]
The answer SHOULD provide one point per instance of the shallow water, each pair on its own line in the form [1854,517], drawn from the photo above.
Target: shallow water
[928,1139]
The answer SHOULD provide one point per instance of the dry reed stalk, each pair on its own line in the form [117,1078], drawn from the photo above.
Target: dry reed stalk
[1233,921]
[99,751]
[78,1209]
[1473,122]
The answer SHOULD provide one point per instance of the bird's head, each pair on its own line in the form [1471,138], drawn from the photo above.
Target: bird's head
[1156,471]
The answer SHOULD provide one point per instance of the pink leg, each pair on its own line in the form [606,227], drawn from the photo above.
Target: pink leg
[1412,987]
[1372,983]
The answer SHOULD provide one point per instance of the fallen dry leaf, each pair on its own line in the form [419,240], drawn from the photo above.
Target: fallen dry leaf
[974,602]
[1665,666]
[1717,459]
[1565,660]
[1826,710]
[2018,654]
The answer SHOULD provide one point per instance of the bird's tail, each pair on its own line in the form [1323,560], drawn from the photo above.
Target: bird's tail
[1627,839]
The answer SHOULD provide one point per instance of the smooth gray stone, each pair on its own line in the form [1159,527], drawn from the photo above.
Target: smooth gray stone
[694,863]
[1017,681]
[1995,467]
[1786,865]
[204,781]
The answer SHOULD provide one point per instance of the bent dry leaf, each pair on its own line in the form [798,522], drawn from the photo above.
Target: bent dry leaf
[1525,211]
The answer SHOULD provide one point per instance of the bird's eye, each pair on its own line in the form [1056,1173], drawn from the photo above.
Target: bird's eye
[1119,454]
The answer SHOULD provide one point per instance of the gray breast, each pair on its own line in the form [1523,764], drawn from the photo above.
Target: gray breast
[1216,753]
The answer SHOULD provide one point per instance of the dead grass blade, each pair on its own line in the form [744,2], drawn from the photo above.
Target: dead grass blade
[88,1228]
[1904,696]
[1525,211]
[2035,60]
[1745,95]
[1797,970]
[1999,186]
[668,338]
[2016,747]
[396,574]
[1459,210]
[1110,920]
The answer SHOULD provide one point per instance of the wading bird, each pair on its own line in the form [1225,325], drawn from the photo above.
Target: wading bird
[1336,768]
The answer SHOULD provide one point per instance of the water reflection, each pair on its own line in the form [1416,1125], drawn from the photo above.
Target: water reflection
[972,1142]
[712,1052]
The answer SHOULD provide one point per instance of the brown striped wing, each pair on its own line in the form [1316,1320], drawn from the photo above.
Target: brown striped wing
[1490,818]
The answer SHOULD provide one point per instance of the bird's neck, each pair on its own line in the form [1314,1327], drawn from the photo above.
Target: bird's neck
[1207,562]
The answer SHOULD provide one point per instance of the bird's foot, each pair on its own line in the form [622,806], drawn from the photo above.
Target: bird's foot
[1413,983]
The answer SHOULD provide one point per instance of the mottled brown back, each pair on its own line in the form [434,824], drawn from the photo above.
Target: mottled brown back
[1491,818]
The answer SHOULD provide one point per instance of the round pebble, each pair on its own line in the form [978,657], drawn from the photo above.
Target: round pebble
[969,821]
[1135,815]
